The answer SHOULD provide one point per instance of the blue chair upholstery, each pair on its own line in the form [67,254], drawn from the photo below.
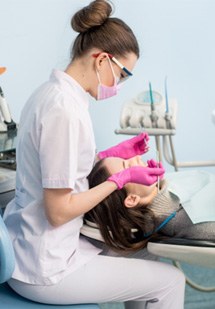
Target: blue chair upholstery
[8,298]
[7,259]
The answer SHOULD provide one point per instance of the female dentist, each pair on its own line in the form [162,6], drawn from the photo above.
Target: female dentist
[55,154]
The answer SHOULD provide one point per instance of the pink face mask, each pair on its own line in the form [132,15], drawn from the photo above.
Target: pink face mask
[105,92]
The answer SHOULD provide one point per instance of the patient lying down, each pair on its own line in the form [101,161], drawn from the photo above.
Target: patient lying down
[129,217]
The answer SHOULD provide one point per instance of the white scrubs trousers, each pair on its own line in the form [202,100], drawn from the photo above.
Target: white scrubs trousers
[139,283]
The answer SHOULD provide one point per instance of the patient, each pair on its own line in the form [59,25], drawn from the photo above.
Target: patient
[129,217]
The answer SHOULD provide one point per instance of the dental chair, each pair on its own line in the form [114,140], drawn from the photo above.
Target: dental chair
[195,252]
[8,298]
[155,114]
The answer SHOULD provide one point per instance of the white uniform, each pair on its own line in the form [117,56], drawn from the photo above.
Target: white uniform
[56,149]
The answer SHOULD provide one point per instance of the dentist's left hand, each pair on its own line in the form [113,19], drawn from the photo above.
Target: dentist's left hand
[132,147]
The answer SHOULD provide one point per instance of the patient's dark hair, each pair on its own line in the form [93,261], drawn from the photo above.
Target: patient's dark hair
[112,215]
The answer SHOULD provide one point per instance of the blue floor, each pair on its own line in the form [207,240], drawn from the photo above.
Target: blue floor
[204,277]
[194,299]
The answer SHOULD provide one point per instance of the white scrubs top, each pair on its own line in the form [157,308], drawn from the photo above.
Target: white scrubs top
[56,149]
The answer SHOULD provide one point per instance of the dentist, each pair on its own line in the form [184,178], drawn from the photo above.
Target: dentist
[55,154]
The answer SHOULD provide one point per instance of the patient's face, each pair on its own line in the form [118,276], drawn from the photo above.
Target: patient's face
[115,165]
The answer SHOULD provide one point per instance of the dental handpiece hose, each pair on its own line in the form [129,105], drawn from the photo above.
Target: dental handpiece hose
[167,114]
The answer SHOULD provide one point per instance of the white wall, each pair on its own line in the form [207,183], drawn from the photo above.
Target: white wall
[176,39]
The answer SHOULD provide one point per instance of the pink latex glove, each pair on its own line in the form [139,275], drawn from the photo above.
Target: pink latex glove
[137,174]
[153,164]
[132,147]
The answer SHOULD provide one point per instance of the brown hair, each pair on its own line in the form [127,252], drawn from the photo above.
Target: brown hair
[116,221]
[98,30]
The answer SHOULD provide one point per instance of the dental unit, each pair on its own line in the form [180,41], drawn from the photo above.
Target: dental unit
[156,114]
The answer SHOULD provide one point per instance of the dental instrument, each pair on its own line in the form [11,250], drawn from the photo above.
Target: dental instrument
[6,122]
[4,107]
[157,155]
[158,159]
[154,117]
[151,97]
[166,96]
[167,114]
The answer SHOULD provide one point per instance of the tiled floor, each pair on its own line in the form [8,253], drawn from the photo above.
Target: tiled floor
[194,299]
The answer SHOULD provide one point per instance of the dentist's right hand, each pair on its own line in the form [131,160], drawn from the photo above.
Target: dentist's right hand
[134,146]
[137,174]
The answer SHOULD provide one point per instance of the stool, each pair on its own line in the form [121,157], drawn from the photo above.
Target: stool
[10,299]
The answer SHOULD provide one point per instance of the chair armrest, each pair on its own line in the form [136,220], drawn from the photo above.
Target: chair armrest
[184,242]
[198,252]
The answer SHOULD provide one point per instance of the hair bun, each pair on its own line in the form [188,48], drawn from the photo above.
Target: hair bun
[95,14]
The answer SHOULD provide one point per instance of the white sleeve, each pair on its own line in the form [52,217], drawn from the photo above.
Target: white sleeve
[58,148]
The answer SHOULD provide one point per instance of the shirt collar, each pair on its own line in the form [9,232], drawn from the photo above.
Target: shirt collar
[70,83]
